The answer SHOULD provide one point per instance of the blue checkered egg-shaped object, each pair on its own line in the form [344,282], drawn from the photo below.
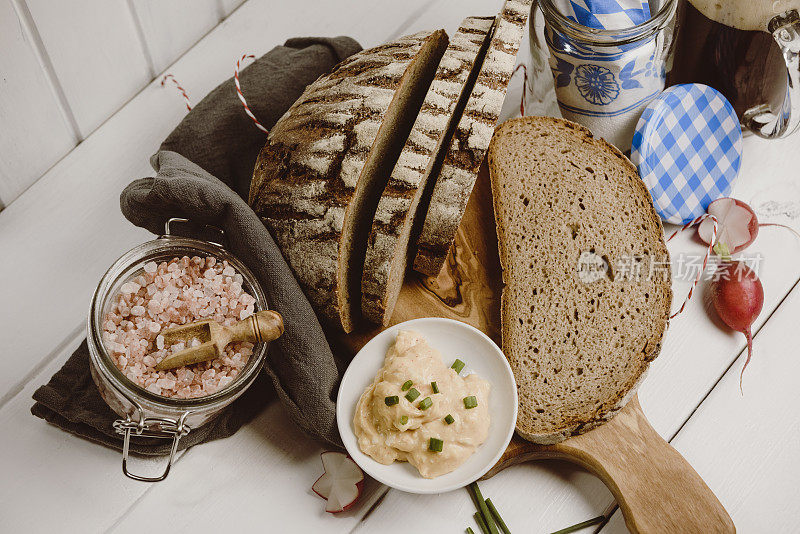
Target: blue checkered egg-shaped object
[688,148]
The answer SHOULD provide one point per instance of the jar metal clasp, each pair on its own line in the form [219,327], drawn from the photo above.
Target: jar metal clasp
[149,427]
[205,230]
[152,427]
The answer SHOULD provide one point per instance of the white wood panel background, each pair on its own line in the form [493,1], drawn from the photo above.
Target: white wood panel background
[34,134]
[95,52]
[65,228]
[170,28]
[66,67]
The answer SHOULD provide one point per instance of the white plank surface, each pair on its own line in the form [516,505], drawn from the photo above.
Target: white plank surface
[66,229]
[61,483]
[69,223]
[226,7]
[171,28]
[96,53]
[754,466]
[34,134]
[258,479]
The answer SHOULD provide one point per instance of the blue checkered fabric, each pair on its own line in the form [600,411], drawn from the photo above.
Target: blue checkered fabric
[607,14]
[688,148]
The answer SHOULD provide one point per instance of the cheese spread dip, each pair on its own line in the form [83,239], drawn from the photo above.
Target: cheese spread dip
[402,417]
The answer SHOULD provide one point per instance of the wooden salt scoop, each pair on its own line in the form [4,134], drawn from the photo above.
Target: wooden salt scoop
[262,326]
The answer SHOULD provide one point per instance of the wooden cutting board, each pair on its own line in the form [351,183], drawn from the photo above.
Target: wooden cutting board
[468,287]
[656,488]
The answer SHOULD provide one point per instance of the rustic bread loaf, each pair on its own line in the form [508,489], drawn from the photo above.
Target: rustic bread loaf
[470,141]
[387,247]
[318,180]
[587,286]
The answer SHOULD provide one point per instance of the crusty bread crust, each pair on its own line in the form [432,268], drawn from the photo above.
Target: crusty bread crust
[316,179]
[387,247]
[470,141]
[578,350]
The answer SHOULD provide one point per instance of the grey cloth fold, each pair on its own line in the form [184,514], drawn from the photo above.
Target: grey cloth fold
[203,174]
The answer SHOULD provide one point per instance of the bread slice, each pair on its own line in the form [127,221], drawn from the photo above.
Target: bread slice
[587,282]
[470,141]
[318,180]
[387,247]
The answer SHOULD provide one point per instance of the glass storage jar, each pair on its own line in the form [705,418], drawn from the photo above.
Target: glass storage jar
[603,78]
[147,414]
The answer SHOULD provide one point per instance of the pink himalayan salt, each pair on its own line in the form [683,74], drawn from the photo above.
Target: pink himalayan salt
[167,294]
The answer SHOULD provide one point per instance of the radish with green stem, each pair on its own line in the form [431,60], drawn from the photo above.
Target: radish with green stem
[738,297]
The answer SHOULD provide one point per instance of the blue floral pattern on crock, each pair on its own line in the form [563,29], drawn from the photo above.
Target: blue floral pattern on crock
[562,72]
[596,84]
[627,75]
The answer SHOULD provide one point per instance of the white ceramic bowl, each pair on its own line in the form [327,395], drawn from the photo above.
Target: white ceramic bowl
[454,340]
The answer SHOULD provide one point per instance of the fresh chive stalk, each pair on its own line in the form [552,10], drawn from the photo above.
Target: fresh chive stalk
[407,385]
[449,419]
[481,523]
[470,531]
[470,402]
[435,445]
[496,516]
[484,510]
[458,365]
[434,387]
[391,401]
[594,521]
[412,395]
[403,419]
[425,403]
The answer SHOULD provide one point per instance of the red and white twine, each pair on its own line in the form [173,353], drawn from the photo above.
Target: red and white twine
[241,96]
[181,89]
[709,250]
[522,101]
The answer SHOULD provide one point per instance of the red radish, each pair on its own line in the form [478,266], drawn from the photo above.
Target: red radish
[341,483]
[738,298]
[737,224]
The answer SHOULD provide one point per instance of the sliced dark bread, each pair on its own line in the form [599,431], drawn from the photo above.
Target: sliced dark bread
[470,141]
[387,247]
[586,271]
[318,180]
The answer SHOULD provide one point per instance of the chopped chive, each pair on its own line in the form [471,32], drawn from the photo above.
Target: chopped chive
[496,517]
[403,419]
[425,403]
[458,365]
[407,385]
[412,394]
[435,445]
[470,531]
[484,511]
[434,387]
[588,523]
[470,402]
[481,523]
[449,419]
[391,401]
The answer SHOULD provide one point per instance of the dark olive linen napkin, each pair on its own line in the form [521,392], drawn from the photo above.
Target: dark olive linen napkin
[203,174]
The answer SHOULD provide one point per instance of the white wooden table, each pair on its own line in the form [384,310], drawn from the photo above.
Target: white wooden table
[81,109]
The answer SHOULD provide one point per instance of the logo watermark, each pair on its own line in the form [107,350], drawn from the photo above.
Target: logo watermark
[592,267]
